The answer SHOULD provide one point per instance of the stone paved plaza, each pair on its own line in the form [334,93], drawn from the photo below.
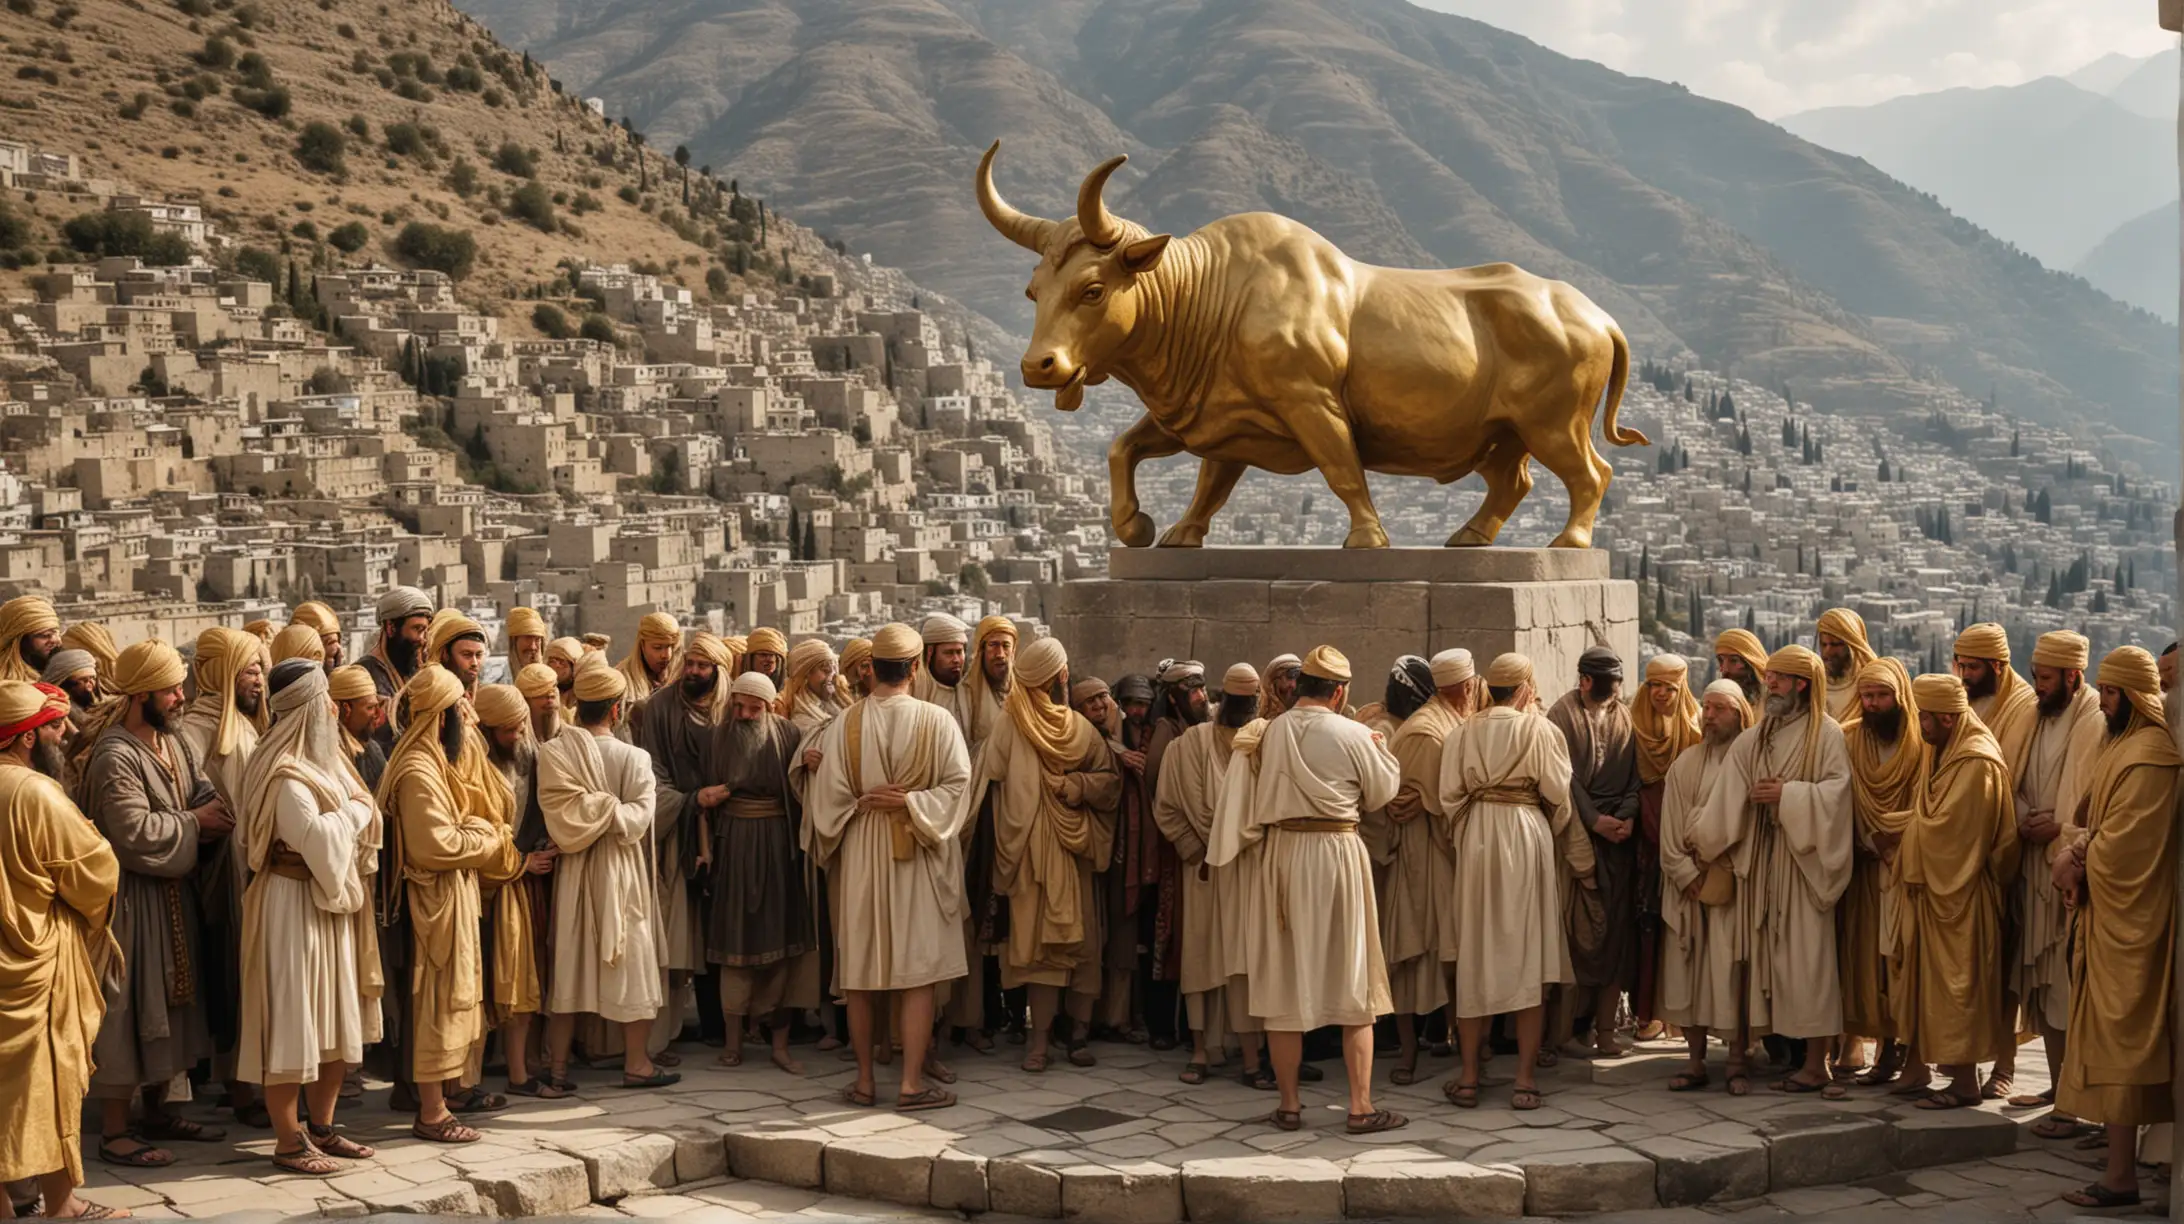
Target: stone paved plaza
[1126,1142]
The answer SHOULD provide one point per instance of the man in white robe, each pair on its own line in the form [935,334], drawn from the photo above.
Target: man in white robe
[1703,930]
[883,812]
[1314,952]
[310,832]
[1780,812]
[596,793]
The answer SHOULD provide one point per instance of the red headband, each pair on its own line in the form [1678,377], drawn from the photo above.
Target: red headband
[55,707]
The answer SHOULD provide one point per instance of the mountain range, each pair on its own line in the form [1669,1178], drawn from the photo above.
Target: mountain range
[1407,136]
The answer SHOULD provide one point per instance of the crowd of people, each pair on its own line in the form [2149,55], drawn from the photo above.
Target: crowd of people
[268,868]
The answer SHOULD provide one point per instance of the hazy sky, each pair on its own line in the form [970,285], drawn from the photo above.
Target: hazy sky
[1780,56]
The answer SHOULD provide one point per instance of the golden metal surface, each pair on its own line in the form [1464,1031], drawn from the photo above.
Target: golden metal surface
[1256,343]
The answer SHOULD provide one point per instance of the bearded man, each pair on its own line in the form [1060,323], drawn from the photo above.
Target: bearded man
[1145,875]
[93,637]
[761,928]
[404,614]
[456,642]
[597,795]
[357,708]
[1664,718]
[321,620]
[505,721]
[856,670]
[75,673]
[1280,684]
[645,668]
[1050,783]
[680,721]
[2119,873]
[1739,656]
[541,690]
[30,631]
[1701,985]
[1417,863]
[810,698]
[940,681]
[564,656]
[144,789]
[446,836]
[978,709]
[1887,756]
[1129,733]
[1604,785]
[1841,636]
[1780,811]
[526,638]
[311,986]
[60,877]
[2000,698]
[884,812]
[1953,856]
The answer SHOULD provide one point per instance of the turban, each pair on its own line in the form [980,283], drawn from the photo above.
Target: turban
[148,667]
[222,656]
[403,602]
[1850,627]
[708,647]
[351,683]
[449,627]
[1744,644]
[1281,661]
[599,684]
[1509,671]
[67,663]
[855,652]
[20,618]
[1241,680]
[2063,650]
[27,707]
[767,641]
[1600,661]
[941,629]
[318,616]
[1176,671]
[737,645]
[92,636]
[994,624]
[500,705]
[525,622]
[754,684]
[1985,640]
[658,627]
[1327,663]
[299,642]
[1796,661]
[895,643]
[2136,673]
[1133,688]
[1669,667]
[595,643]
[1041,661]
[1453,667]
[1085,690]
[1940,693]
[433,691]
[537,680]
[568,650]
[260,629]
[809,654]
[1730,689]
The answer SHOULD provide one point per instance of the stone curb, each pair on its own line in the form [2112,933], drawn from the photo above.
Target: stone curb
[919,1169]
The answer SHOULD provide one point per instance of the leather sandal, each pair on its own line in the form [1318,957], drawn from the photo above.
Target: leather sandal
[1375,1122]
[330,1140]
[447,1130]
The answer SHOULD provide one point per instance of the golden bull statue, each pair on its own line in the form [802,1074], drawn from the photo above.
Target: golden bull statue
[1255,343]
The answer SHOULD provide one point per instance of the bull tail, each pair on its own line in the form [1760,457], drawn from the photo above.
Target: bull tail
[1618,378]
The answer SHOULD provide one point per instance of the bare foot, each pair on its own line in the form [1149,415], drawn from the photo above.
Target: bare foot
[782,1060]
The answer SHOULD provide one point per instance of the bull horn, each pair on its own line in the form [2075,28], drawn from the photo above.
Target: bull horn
[1023,229]
[1101,229]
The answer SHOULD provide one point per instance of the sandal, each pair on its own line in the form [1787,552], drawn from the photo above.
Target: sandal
[1193,1073]
[1945,1100]
[173,1128]
[1036,1064]
[1739,1084]
[1878,1076]
[938,1070]
[732,1056]
[144,1157]
[90,1211]
[447,1130]
[1080,1055]
[2095,1142]
[1404,1077]
[560,1080]
[1287,1119]
[1997,1088]
[977,1041]
[2031,1100]
[308,1161]
[1258,1077]
[2052,1127]
[854,1095]
[2098,1195]
[658,1079]
[1524,1099]
[544,1090]
[928,1098]
[668,1058]
[1685,1081]
[1462,1096]
[332,1142]
[1375,1122]
[1797,1087]
[1546,1059]
[478,1100]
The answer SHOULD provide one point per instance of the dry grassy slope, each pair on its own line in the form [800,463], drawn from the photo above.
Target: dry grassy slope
[243,165]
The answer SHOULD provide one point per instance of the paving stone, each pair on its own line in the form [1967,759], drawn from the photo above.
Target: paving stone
[789,1157]
[1922,1137]
[666,1206]
[340,1209]
[959,1181]
[1592,1179]
[1024,1186]
[533,1184]
[1435,1189]
[699,1154]
[1814,1199]
[1248,1189]
[437,1198]
[624,1164]
[1824,1149]
[1689,1172]
[1141,1192]
[884,1167]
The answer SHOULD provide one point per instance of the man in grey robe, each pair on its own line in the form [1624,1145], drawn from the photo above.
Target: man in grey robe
[1602,923]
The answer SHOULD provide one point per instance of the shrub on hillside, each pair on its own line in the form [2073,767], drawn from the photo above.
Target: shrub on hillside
[530,204]
[218,53]
[441,248]
[259,264]
[550,321]
[273,102]
[462,178]
[514,159]
[597,327]
[349,238]
[320,147]
[114,233]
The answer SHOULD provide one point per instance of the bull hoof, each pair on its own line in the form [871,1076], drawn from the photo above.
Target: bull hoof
[1183,535]
[1137,532]
[1572,537]
[1470,537]
[1368,535]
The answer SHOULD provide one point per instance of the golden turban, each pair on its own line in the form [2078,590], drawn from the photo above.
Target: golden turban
[709,647]
[894,643]
[568,650]
[1509,671]
[299,641]
[500,705]
[2062,650]
[447,626]
[318,616]
[22,617]
[148,667]
[756,685]
[92,636]
[1663,737]
[1038,663]
[537,680]
[259,629]
[1985,640]
[809,654]
[222,655]
[1327,663]
[1796,661]
[351,683]
[854,652]
[658,627]
[994,624]
[941,629]
[767,641]
[2136,673]
[22,708]
[1086,689]
[525,622]
[1940,693]
[599,684]
[1744,644]
[1241,680]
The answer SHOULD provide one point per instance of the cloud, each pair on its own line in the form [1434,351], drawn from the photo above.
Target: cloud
[1781,56]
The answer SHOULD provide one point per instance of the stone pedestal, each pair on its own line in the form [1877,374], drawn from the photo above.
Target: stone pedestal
[1222,605]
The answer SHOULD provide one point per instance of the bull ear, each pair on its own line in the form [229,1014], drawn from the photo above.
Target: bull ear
[1143,255]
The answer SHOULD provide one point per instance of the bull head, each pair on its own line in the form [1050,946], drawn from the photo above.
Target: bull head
[1088,287]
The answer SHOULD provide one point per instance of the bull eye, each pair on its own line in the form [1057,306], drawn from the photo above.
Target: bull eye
[1093,293]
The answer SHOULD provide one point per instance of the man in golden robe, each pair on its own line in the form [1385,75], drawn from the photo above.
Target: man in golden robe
[564,655]
[541,691]
[1780,812]
[978,698]
[320,619]
[504,721]
[438,817]
[1739,656]
[1952,858]
[766,652]
[856,670]
[526,631]
[1887,757]
[57,883]
[1999,697]
[1664,719]
[647,667]
[1702,951]
[1314,950]
[2119,874]
[30,631]
[883,810]
[810,699]
[1051,784]
[296,642]
[1841,637]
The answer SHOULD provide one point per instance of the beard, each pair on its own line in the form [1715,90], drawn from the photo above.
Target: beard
[1000,682]
[154,716]
[565,686]
[1887,724]
[1193,710]
[1837,668]
[48,759]
[403,654]
[2058,701]
[32,655]
[451,733]
[1719,736]
[2120,721]
[247,704]
[1238,710]
[1782,706]
[695,686]
[1984,688]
